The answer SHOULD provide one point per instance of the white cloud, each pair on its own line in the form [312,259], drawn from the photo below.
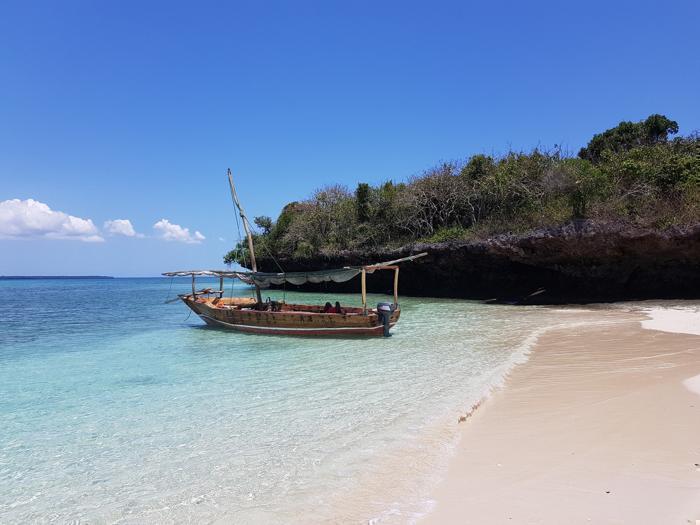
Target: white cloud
[222,239]
[175,232]
[121,227]
[22,219]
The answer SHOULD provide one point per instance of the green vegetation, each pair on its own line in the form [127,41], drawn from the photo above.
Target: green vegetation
[629,135]
[633,173]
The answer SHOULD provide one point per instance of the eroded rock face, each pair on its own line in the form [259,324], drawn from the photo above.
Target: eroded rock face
[579,262]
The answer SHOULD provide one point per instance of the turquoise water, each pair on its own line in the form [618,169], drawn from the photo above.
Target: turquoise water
[116,407]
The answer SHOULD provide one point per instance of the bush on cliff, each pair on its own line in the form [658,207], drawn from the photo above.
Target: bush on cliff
[633,173]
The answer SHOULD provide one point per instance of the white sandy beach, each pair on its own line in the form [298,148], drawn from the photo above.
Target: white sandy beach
[601,425]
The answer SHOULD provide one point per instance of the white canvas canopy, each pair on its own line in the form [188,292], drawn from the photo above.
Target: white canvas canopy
[265,279]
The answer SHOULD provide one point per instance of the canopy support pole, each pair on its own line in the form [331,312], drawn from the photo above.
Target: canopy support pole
[396,286]
[364,291]
[221,286]
[193,291]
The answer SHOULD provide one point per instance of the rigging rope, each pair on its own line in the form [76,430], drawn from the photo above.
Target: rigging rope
[284,284]
[239,251]
[273,258]
[167,297]
[240,254]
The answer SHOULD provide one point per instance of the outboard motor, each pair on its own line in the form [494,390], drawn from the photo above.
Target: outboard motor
[384,310]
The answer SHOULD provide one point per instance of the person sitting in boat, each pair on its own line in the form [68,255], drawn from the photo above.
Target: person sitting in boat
[328,308]
[338,309]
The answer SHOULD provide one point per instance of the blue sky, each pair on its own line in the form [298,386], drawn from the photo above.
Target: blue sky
[134,110]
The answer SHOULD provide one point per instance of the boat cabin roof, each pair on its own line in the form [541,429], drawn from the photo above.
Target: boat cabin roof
[265,279]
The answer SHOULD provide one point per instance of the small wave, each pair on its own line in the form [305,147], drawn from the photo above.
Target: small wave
[138,381]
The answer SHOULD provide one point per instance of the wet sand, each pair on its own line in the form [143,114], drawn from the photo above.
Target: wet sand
[601,425]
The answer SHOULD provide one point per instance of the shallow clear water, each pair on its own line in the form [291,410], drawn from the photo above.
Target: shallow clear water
[116,407]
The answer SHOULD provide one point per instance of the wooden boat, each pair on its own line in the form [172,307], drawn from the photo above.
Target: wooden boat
[252,315]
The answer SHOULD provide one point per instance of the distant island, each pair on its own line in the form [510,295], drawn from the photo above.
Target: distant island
[35,277]
[621,220]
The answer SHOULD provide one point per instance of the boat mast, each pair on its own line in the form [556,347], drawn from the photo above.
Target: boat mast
[246,227]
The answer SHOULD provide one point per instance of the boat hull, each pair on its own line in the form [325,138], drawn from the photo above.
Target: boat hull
[295,320]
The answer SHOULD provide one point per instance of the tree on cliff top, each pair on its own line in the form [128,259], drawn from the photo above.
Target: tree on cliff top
[362,195]
[264,223]
[628,135]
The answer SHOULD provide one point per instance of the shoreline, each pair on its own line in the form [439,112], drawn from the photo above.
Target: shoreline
[598,425]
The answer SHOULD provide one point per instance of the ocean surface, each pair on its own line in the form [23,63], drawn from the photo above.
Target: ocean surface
[118,408]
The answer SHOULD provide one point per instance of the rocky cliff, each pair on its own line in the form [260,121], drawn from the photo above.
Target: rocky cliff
[579,262]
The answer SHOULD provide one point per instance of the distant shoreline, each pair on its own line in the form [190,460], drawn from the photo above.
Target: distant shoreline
[38,277]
